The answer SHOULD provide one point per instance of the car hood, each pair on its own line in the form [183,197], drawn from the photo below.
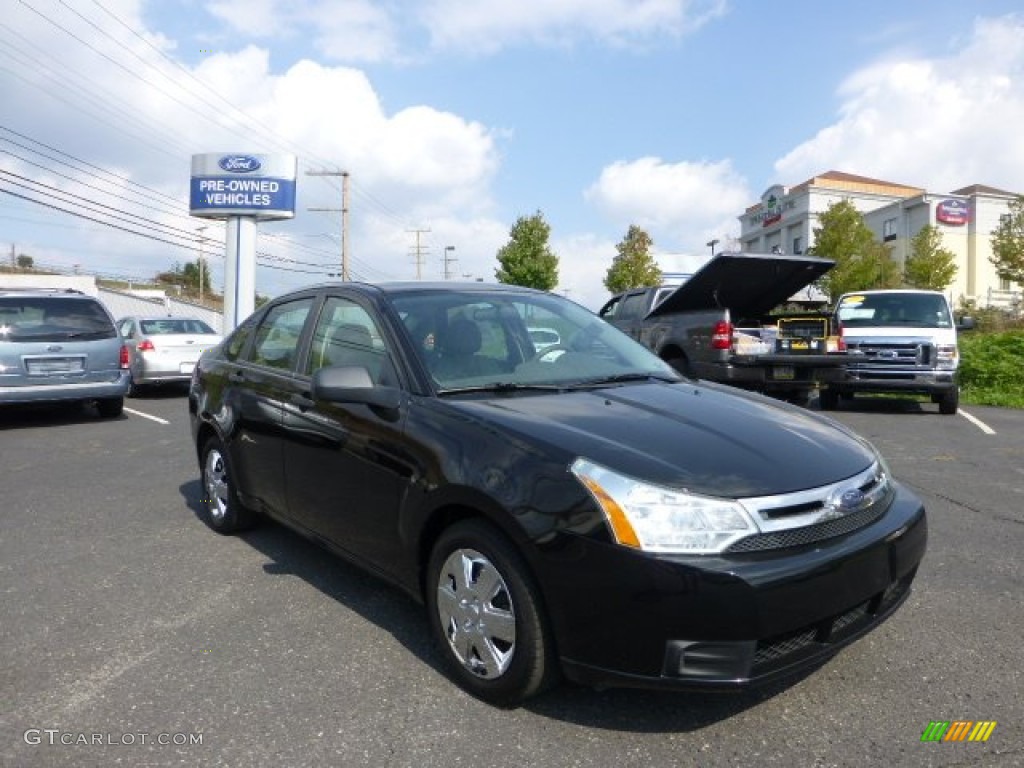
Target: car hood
[748,284]
[707,439]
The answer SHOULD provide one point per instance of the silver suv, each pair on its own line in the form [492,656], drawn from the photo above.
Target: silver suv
[60,346]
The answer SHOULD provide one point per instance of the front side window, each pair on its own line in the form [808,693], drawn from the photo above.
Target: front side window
[277,339]
[346,334]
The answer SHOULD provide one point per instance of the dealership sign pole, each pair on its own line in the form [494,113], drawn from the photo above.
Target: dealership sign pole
[241,189]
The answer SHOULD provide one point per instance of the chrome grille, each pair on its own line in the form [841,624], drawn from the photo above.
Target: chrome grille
[798,537]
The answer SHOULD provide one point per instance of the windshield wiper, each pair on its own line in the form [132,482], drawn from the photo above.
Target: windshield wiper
[624,378]
[503,387]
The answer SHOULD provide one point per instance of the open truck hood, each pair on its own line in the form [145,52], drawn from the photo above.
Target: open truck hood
[749,284]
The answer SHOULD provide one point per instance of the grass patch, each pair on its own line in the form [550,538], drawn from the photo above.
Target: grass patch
[992,368]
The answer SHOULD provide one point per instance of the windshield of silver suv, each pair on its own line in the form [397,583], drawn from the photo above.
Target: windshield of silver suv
[914,310]
[33,318]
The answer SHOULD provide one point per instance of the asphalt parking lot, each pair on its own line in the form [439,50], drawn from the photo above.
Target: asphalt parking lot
[133,635]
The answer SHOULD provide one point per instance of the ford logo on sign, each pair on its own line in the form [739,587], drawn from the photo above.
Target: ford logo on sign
[239,163]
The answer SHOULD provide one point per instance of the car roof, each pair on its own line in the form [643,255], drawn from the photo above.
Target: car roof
[413,286]
[64,293]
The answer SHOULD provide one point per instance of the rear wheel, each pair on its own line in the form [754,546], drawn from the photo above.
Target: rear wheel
[110,407]
[949,401]
[682,365]
[486,616]
[224,512]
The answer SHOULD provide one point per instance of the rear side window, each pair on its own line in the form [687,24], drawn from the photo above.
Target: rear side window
[236,341]
[45,318]
[277,339]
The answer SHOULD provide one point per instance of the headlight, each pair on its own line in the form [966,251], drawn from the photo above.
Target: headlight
[654,518]
[947,355]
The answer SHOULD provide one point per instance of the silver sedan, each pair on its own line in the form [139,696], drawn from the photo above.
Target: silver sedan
[164,350]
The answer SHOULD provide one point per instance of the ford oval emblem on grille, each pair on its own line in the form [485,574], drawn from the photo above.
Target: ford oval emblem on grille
[239,163]
[851,500]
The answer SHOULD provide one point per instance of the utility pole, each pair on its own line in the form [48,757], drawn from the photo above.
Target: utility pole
[344,215]
[448,260]
[419,248]
[202,239]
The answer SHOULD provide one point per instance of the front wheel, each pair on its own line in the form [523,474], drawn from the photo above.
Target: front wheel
[949,401]
[486,616]
[224,512]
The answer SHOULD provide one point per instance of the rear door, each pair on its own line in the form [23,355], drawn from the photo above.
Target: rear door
[256,388]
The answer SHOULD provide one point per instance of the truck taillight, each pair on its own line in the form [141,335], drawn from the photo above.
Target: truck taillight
[841,344]
[146,346]
[721,336]
[125,356]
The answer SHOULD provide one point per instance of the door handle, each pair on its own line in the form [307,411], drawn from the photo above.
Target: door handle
[303,400]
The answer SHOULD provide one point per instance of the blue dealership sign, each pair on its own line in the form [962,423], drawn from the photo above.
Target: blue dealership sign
[228,184]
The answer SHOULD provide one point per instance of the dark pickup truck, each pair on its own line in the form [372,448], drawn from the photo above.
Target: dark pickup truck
[717,325]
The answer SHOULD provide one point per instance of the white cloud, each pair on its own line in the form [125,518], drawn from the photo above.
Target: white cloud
[939,123]
[681,204]
[484,26]
[341,30]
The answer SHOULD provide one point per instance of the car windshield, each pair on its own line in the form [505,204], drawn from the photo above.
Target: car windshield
[165,325]
[481,339]
[53,319]
[894,310]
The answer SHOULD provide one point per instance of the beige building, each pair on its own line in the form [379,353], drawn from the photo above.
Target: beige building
[785,219]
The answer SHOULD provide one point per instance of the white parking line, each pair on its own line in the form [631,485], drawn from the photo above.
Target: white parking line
[977,422]
[147,416]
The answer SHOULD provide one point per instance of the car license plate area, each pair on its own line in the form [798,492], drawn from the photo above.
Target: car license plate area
[783,372]
[186,367]
[54,366]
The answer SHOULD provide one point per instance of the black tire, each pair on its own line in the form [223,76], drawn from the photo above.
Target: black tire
[497,645]
[110,407]
[133,389]
[950,401]
[224,512]
[682,365]
[828,399]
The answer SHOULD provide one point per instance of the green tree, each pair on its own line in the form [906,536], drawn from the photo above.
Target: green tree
[861,261]
[1008,244]
[526,259]
[26,262]
[191,272]
[633,267]
[929,265]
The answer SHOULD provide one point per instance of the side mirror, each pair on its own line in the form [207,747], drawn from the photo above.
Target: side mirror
[352,384]
[965,324]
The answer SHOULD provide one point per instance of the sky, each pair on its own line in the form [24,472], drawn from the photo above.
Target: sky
[454,118]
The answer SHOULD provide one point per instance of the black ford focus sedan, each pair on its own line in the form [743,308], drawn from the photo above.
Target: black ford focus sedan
[571,509]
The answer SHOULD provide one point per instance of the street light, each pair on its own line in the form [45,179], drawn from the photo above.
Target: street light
[711,244]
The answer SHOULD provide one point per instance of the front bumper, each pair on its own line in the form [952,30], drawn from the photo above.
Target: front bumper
[728,622]
[909,380]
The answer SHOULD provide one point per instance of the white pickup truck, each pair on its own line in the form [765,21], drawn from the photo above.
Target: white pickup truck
[897,341]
